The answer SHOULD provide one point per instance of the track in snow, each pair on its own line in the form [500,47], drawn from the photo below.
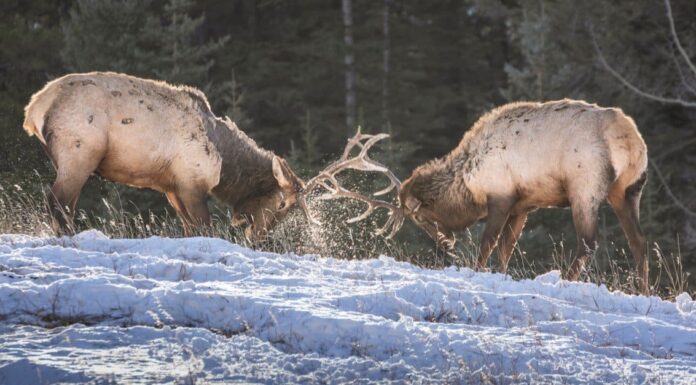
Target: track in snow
[88,309]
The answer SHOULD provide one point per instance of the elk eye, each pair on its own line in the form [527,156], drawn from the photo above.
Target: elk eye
[419,218]
[281,205]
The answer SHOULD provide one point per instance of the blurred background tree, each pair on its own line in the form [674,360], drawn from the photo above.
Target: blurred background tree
[422,71]
[30,37]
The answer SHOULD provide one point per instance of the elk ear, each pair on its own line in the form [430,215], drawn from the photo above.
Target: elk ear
[280,172]
[413,204]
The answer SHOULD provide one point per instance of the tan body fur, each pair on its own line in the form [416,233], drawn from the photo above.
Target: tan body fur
[524,156]
[147,133]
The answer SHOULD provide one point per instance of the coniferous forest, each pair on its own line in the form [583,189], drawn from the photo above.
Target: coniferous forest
[300,76]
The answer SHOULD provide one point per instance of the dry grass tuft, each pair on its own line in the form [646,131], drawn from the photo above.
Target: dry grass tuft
[26,213]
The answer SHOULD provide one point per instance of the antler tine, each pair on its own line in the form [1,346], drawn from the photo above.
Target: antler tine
[396,217]
[396,220]
[394,182]
[376,166]
[352,142]
[362,162]
[371,140]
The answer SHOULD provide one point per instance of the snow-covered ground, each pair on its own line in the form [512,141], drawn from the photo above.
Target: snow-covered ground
[202,311]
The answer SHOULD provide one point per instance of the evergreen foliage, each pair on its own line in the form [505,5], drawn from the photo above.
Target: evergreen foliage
[29,37]
[136,37]
[425,71]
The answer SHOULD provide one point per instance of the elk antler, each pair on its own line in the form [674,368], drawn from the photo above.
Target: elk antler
[362,162]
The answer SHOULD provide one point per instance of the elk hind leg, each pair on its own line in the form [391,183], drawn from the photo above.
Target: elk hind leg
[62,200]
[74,160]
[626,205]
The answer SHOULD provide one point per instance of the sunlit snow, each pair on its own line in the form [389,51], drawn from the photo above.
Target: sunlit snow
[88,309]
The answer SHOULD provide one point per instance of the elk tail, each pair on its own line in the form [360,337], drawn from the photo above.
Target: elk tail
[35,111]
[627,150]
[31,128]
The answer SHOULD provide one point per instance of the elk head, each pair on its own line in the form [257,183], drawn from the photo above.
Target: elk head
[423,210]
[261,213]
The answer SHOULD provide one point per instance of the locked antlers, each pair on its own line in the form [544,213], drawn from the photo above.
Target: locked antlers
[362,162]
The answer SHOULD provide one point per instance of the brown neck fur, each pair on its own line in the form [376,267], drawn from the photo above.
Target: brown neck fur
[246,169]
[430,182]
[440,185]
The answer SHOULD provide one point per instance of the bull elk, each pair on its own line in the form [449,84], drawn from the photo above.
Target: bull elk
[514,160]
[146,133]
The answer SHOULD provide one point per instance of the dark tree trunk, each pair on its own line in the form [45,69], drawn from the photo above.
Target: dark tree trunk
[349,61]
[385,69]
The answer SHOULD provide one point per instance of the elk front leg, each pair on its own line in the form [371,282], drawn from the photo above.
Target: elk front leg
[178,205]
[196,206]
[585,221]
[511,232]
[498,213]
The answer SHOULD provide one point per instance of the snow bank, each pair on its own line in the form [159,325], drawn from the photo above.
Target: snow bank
[202,310]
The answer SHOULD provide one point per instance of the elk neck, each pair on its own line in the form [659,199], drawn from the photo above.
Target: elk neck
[246,169]
[446,182]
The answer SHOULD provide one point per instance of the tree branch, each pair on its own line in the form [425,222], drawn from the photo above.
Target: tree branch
[683,78]
[675,36]
[680,145]
[669,191]
[631,86]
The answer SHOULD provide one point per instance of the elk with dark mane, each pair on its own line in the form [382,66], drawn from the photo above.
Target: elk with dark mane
[147,133]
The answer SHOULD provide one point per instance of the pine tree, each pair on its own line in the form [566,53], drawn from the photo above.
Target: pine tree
[29,37]
[232,95]
[172,50]
[306,158]
[133,36]
[106,36]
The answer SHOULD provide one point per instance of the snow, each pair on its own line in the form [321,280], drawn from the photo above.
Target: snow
[89,309]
